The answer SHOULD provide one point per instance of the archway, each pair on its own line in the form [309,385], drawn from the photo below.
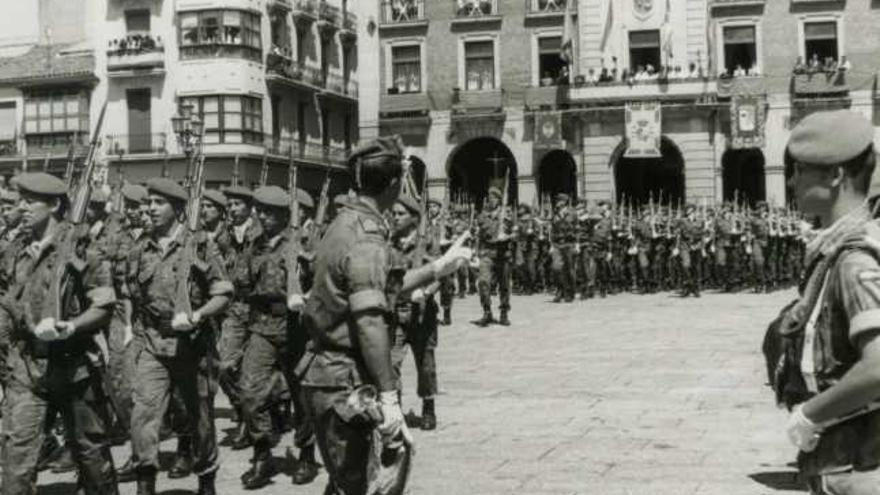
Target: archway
[557,173]
[419,172]
[742,175]
[478,164]
[637,180]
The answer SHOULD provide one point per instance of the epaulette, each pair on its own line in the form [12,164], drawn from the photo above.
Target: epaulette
[371,225]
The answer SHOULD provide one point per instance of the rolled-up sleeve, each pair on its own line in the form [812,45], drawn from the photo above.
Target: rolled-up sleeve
[219,283]
[98,284]
[858,280]
[366,268]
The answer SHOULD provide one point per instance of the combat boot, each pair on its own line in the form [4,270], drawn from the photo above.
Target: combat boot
[306,468]
[126,474]
[447,316]
[242,438]
[486,320]
[429,418]
[146,482]
[206,484]
[182,466]
[504,320]
[63,463]
[260,473]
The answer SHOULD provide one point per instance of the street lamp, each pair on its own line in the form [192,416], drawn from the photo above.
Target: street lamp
[188,128]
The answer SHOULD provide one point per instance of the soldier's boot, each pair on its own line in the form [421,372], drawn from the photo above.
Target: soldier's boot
[429,417]
[146,482]
[63,463]
[447,316]
[242,439]
[504,320]
[207,485]
[260,473]
[49,451]
[182,466]
[306,468]
[487,318]
[126,473]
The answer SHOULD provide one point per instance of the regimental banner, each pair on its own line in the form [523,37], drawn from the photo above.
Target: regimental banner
[642,121]
[746,122]
[548,130]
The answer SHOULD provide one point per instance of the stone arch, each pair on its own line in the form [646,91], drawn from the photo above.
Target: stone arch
[555,173]
[636,180]
[742,175]
[477,164]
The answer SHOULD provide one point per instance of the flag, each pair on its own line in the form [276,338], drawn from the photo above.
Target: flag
[710,44]
[566,50]
[608,14]
[746,122]
[642,121]
[666,37]
[548,130]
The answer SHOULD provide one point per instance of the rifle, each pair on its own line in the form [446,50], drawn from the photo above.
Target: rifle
[293,285]
[67,247]
[503,212]
[194,183]
[320,212]
[264,168]
[118,202]
[71,162]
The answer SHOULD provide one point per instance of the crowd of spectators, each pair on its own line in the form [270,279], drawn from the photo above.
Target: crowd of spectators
[135,43]
[829,66]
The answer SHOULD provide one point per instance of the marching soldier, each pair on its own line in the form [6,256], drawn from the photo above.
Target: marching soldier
[690,247]
[348,361]
[54,364]
[438,233]
[759,234]
[527,250]
[564,248]
[494,242]
[176,351]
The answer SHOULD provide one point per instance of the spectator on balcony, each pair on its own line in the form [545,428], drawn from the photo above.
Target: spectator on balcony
[547,80]
[830,65]
[628,77]
[739,71]
[844,65]
[605,76]
[754,71]
[693,71]
[563,78]
[678,73]
[815,65]
[592,77]
[799,67]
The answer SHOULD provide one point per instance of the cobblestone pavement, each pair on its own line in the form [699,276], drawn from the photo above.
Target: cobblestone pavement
[627,395]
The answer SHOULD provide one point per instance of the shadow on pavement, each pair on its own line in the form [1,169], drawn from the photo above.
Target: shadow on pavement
[780,480]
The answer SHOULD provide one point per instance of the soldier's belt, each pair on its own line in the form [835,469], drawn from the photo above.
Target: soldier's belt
[269,308]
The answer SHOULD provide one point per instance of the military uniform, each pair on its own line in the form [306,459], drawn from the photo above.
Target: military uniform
[495,261]
[690,232]
[61,375]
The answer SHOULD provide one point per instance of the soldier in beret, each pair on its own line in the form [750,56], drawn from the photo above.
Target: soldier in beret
[276,338]
[55,362]
[347,314]
[439,234]
[833,158]
[176,350]
[494,242]
[690,248]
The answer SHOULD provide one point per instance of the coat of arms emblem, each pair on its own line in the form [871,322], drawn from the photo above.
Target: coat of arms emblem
[643,8]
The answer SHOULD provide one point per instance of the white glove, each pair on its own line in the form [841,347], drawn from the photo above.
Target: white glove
[46,331]
[65,329]
[802,432]
[296,303]
[127,335]
[453,258]
[392,416]
[183,323]
[417,296]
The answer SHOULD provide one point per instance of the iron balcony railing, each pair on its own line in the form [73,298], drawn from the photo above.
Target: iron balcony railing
[128,144]
[304,150]
[292,69]
[341,85]
[547,6]
[135,44]
[328,12]
[349,21]
[475,8]
[402,11]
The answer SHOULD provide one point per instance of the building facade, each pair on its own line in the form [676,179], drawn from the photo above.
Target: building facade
[274,82]
[478,91]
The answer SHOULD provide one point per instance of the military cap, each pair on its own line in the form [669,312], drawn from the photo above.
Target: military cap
[830,138]
[562,197]
[761,205]
[340,199]
[134,192]
[215,196]
[41,183]
[382,147]
[272,196]
[167,188]
[525,208]
[690,206]
[9,196]
[98,196]
[410,203]
[495,190]
[238,192]
[433,201]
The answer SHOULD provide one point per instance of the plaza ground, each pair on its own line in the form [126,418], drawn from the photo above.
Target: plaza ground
[626,395]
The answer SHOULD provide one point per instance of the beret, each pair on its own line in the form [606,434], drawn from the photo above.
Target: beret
[98,196]
[495,190]
[432,201]
[525,208]
[387,147]
[238,192]
[167,188]
[272,196]
[830,138]
[410,203]
[215,196]
[340,199]
[304,198]
[9,196]
[690,206]
[134,192]
[42,183]
[562,197]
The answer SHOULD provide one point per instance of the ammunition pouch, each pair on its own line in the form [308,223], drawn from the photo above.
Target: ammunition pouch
[782,353]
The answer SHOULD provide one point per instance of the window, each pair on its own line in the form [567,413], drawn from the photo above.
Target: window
[644,49]
[740,50]
[137,21]
[238,33]
[479,65]
[7,121]
[229,118]
[820,41]
[406,68]
[53,118]
[550,65]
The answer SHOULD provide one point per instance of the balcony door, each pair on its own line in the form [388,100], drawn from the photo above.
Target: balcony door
[139,121]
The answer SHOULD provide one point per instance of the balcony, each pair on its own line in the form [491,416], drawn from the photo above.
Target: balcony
[135,56]
[546,96]
[328,19]
[820,83]
[475,11]
[344,87]
[348,35]
[403,13]
[547,8]
[716,4]
[9,147]
[133,144]
[304,12]
[660,89]
[397,103]
[306,151]
[484,105]
[54,144]
[747,86]
[280,68]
